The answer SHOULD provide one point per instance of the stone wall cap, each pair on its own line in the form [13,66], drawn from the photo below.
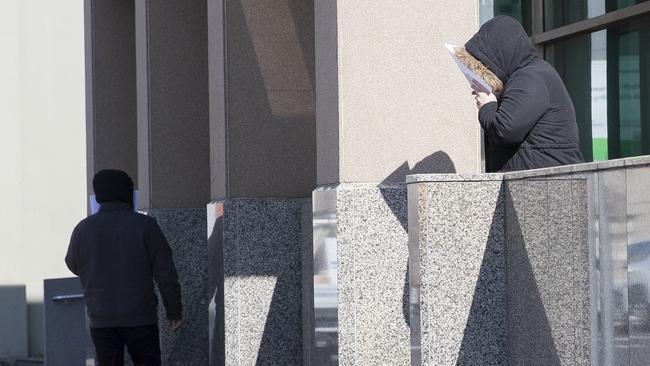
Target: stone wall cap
[524,174]
[481,177]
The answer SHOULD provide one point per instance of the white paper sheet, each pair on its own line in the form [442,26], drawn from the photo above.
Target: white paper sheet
[469,74]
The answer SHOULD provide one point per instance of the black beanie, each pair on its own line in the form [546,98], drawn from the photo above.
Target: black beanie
[113,186]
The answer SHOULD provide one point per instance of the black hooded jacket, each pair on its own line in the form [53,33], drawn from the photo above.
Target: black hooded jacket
[118,253]
[533,124]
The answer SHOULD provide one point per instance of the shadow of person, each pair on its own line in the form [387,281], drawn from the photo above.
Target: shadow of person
[393,191]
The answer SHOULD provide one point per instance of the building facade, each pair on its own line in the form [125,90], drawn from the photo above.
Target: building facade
[272,141]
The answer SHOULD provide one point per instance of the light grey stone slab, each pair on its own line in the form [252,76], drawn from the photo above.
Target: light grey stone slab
[376,248]
[360,275]
[261,261]
[460,248]
[372,254]
[185,232]
[550,172]
[422,178]
[13,321]
[639,160]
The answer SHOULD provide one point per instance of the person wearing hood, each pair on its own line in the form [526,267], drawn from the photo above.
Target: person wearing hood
[118,254]
[530,123]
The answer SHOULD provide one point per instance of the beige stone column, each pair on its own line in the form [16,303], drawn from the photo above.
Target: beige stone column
[389,102]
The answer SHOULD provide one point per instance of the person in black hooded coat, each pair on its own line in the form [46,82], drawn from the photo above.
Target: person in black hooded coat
[117,254]
[532,122]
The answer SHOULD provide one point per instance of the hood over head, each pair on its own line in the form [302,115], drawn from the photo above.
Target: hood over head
[503,46]
[113,186]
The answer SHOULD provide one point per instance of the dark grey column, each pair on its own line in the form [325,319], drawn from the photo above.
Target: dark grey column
[172,69]
[173,155]
[263,163]
[110,87]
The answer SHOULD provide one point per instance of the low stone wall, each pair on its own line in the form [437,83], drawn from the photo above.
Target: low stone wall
[540,267]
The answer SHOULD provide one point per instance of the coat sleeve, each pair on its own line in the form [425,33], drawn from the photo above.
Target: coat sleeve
[522,104]
[71,256]
[164,272]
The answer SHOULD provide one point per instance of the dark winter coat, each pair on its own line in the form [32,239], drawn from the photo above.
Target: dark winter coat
[118,253]
[533,124]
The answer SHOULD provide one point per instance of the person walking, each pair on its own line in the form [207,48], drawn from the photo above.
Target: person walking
[531,123]
[117,254]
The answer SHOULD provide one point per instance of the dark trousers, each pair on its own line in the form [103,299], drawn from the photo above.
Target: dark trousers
[142,343]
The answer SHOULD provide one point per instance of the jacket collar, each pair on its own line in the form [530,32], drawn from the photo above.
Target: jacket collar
[114,206]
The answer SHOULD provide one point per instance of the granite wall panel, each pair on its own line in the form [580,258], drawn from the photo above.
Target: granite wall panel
[462,272]
[360,275]
[185,232]
[261,259]
[372,254]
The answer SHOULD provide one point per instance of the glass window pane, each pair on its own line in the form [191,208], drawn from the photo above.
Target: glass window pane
[518,9]
[612,95]
[558,13]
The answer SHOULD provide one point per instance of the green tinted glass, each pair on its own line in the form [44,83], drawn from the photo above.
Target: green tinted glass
[558,13]
[518,9]
[612,94]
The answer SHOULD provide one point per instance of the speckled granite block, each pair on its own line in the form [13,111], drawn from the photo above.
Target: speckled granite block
[307,262]
[261,260]
[547,272]
[186,234]
[458,238]
[372,255]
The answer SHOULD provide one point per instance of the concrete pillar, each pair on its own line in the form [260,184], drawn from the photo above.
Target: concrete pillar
[173,155]
[263,169]
[389,102]
[111,118]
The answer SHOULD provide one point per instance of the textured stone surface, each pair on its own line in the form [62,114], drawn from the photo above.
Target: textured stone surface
[171,39]
[372,255]
[460,243]
[548,272]
[186,234]
[368,78]
[261,259]
[483,177]
[270,129]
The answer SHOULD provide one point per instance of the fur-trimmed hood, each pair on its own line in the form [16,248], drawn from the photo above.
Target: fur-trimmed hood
[479,69]
[502,45]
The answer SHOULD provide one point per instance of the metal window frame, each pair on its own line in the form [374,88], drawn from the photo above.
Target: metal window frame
[541,38]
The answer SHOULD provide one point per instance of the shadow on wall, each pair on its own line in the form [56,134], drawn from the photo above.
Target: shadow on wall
[484,337]
[436,163]
[270,98]
[246,244]
[522,313]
